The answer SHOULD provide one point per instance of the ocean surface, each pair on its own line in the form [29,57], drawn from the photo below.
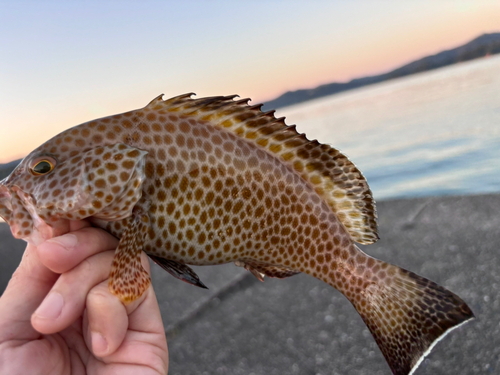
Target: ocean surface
[433,133]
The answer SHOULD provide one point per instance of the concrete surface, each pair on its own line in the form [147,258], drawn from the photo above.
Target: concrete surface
[300,325]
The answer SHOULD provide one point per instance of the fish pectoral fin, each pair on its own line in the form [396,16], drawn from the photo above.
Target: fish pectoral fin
[179,271]
[128,279]
[124,168]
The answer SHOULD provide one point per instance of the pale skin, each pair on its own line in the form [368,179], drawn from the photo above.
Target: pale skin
[83,328]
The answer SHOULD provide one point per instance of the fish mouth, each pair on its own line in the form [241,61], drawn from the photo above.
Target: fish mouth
[18,209]
[5,203]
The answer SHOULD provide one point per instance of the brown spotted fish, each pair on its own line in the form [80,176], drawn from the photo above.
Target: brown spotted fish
[214,180]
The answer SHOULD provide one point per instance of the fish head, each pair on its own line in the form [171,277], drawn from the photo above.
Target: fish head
[27,202]
[73,176]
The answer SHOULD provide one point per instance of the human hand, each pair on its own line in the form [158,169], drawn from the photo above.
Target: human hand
[80,327]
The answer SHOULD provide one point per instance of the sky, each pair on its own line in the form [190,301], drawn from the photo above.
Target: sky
[63,63]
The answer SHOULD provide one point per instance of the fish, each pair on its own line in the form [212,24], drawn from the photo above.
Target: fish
[207,181]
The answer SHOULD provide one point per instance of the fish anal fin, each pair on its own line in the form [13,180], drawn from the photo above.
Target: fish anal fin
[179,271]
[259,270]
[407,315]
[128,279]
[333,176]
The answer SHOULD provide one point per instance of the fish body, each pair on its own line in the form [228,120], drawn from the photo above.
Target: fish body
[213,180]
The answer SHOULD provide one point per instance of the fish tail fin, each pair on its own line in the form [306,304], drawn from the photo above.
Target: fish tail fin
[407,314]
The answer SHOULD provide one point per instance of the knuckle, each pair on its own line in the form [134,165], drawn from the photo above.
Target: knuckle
[86,267]
[98,239]
[98,296]
[80,274]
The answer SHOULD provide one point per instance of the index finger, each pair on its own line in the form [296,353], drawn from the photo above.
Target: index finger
[63,253]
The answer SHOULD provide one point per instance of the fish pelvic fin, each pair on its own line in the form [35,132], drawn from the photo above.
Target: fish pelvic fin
[407,315]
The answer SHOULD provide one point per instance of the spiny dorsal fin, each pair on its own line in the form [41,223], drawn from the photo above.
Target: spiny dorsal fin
[334,177]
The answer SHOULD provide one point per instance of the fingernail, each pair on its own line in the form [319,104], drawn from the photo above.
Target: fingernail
[51,306]
[99,343]
[67,241]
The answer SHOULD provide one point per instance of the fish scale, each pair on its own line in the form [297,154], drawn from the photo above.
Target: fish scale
[213,180]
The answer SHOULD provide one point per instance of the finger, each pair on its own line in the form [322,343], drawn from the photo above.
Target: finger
[108,317]
[144,344]
[28,286]
[60,254]
[107,321]
[145,325]
[75,225]
[146,317]
[66,300]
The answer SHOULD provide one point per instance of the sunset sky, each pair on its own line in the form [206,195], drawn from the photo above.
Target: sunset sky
[63,63]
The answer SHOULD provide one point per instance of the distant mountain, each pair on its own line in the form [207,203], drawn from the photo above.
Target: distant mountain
[5,169]
[487,44]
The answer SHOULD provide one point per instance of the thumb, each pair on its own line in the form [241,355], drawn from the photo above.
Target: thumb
[28,286]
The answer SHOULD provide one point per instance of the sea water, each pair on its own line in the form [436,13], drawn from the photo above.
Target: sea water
[432,133]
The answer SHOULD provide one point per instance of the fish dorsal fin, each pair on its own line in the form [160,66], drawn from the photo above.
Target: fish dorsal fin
[333,176]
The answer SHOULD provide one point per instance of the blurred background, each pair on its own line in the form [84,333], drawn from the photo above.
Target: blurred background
[413,130]
[410,91]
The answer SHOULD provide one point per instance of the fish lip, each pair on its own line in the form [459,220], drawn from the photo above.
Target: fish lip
[4,190]
[40,229]
[5,202]
[9,192]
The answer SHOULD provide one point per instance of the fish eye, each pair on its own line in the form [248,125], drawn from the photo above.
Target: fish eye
[42,167]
